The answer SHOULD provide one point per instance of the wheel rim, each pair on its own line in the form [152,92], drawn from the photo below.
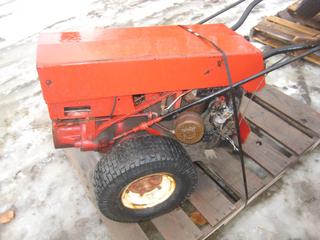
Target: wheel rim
[148,191]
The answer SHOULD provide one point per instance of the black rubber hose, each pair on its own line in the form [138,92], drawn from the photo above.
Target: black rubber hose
[285,49]
[245,14]
[220,12]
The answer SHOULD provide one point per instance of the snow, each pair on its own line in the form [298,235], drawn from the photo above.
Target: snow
[38,182]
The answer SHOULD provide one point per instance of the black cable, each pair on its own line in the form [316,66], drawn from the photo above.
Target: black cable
[220,12]
[234,105]
[244,81]
[245,14]
[285,49]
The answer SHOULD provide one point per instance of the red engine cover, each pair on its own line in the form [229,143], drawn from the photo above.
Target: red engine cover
[79,69]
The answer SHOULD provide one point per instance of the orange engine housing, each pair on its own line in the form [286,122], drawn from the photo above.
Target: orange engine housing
[82,73]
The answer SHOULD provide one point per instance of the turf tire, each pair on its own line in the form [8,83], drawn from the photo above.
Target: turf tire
[137,157]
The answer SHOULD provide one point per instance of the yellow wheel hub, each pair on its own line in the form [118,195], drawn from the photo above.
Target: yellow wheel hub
[148,191]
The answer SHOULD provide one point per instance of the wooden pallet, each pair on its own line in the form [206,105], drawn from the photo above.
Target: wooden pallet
[287,28]
[283,130]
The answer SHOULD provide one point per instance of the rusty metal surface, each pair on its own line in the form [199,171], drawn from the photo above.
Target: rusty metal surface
[189,128]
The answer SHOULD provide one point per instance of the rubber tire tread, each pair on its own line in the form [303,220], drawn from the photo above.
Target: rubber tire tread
[138,157]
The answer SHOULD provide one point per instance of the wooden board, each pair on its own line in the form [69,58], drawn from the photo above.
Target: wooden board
[290,107]
[313,23]
[285,29]
[258,148]
[208,199]
[177,225]
[284,129]
[277,128]
[228,167]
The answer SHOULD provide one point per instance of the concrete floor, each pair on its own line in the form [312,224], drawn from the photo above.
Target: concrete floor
[38,182]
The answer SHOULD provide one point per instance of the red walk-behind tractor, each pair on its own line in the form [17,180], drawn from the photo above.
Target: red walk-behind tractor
[108,89]
[138,95]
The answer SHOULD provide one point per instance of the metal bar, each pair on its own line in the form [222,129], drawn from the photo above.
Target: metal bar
[245,14]
[286,49]
[138,109]
[240,150]
[220,12]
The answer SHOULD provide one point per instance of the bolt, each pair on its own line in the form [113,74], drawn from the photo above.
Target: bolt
[48,82]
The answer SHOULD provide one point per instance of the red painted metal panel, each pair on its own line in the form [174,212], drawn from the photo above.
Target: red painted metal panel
[76,67]
[81,73]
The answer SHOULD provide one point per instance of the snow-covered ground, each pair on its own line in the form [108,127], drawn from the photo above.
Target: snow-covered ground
[38,182]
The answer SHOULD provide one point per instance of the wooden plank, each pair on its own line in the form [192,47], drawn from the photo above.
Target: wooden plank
[289,136]
[266,187]
[228,167]
[84,164]
[209,200]
[284,33]
[298,27]
[299,33]
[313,23]
[177,225]
[258,36]
[266,155]
[277,32]
[292,108]
[287,28]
